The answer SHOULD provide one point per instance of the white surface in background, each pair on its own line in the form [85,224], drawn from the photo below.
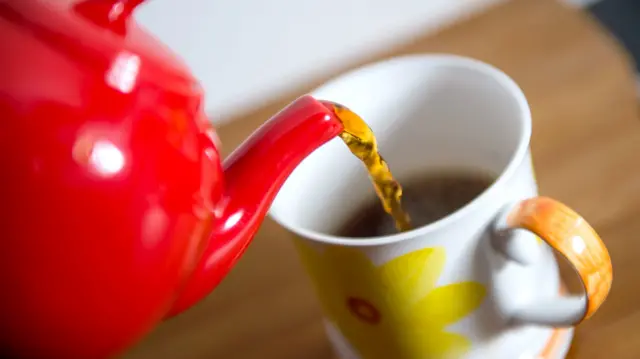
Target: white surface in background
[247,52]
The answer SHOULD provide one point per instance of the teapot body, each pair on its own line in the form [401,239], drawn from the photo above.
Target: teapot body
[110,175]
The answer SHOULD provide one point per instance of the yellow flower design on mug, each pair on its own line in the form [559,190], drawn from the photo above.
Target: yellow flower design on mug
[394,310]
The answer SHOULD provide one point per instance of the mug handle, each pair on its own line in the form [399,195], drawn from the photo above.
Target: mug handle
[571,236]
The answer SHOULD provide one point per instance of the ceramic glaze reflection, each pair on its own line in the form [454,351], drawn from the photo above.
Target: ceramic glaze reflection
[123,73]
[106,158]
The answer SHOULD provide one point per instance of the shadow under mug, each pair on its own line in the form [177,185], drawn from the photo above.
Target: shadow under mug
[479,283]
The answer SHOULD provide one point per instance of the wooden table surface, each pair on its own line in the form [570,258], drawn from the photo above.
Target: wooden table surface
[586,148]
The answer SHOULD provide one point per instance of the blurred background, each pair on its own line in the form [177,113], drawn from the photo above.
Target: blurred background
[242,50]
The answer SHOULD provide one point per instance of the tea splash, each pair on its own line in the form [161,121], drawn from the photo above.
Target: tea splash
[362,143]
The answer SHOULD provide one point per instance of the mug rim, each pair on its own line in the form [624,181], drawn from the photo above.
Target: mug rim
[445,60]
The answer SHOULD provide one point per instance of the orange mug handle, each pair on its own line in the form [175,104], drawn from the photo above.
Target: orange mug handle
[570,235]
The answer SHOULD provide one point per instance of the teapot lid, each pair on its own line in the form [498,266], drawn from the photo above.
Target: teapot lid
[99,36]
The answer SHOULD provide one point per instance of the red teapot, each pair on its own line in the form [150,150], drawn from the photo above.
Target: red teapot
[116,210]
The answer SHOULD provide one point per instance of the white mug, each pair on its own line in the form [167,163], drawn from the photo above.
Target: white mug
[481,282]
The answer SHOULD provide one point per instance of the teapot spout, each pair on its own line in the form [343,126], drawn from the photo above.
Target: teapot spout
[254,173]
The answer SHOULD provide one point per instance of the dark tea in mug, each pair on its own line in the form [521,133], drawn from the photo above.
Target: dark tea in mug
[426,198]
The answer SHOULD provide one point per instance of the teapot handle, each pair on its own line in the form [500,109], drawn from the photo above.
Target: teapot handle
[572,237]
